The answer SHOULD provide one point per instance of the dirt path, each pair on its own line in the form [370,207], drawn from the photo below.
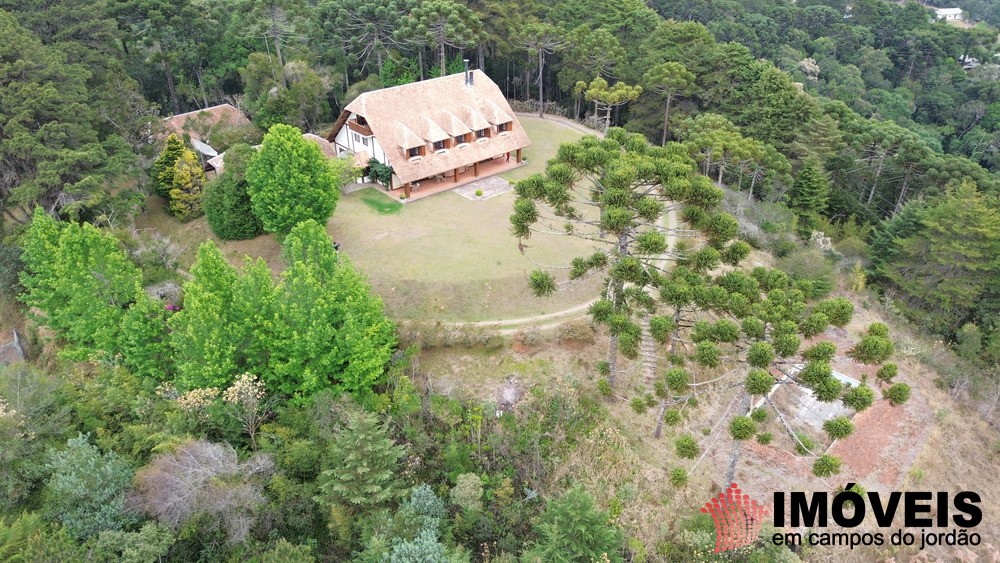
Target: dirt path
[511,326]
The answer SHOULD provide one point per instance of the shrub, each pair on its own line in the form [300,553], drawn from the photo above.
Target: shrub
[227,203]
[813,325]
[187,187]
[872,350]
[826,466]
[809,265]
[760,354]
[572,529]
[820,352]
[765,438]
[897,394]
[804,445]
[887,373]
[759,415]
[672,417]
[786,345]
[604,387]
[708,354]
[678,478]
[859,398]
[838,311]
[479,193]
[838,427]
[677,380]
[468,492]
[742,428]
[686,447]
[758,382]
[753,328]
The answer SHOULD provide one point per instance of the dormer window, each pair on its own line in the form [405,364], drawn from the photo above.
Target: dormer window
[439,145]
[415,151]
[362,120]
[459,139]
[482,133]
[501,127]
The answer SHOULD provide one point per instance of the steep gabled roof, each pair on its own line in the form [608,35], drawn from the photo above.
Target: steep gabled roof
[420,113]
[222,114]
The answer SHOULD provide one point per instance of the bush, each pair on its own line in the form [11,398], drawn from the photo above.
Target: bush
[678,478]
[811,266]
[813,325]
[887,373]
[742,428]
[804,445]
[468,492]
[838,427]
[826,466]
[759,415]
[573,529]
[838,311]
[758,382]
[479,193]
[687,447]
[765,438]
[859,398]
[820,352]
[760,354]
[227,203]
[897,394]
[672,417]
[872,350]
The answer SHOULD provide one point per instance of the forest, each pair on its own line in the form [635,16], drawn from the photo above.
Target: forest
[276,412]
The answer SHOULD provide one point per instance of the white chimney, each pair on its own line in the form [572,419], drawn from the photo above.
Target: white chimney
[468,73]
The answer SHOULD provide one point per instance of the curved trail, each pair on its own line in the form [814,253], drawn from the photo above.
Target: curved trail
[512,326]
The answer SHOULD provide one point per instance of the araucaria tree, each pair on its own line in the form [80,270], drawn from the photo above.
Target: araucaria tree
[624,195]
[290,181]
[809,195]
[540,39]
[670,80]
[441,24]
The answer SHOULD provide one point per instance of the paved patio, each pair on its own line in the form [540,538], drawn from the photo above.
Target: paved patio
[488,187]
[466,176]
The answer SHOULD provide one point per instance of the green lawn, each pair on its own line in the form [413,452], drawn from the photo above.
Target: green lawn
[546,135]
[440,258]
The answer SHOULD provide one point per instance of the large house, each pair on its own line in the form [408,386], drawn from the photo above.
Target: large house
[950,14]
[445,129]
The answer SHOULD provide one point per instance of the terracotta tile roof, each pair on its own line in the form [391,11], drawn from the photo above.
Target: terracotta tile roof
[215,115]
[399,116]
[324,146]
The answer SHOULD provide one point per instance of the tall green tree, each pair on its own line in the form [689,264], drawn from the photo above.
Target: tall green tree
[81,281]
[86,490]
[203,337]
[540,39]
[369,26]
[51,153]
[227,203]
[162,173]
[290,181]
[631,192]
[670,80]
[607,98]
[328,330]
[572,528]
[942,254]
[809,195]
[187,187]
[440,24]
[363,465]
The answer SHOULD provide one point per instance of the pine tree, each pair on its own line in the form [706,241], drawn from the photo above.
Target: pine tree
[162,174]
[290,181]
[227,203]
[187,188]
[809,195]
[573,529]
[363,467]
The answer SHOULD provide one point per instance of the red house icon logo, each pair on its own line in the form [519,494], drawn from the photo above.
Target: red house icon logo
[738,518]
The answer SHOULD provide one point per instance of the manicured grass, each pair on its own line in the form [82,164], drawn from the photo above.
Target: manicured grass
[379,201]
[546,135]
[440,258]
